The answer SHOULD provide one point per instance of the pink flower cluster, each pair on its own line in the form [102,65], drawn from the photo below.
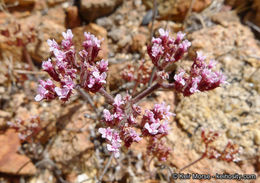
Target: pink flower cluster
[26,130]
[201,77]
[151,122]
[120,121]
[113,139]
[158,149]
[139,74]
[154,125]
[230,153]
[64,68]
[123,119]
[165,49]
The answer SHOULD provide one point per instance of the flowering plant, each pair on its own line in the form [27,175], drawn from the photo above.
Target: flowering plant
[120,124]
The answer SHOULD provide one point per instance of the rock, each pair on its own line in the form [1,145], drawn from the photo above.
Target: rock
[126,41]
[92,9]
[257,136]
[114,80]
[105,22]
[98,31]
[117,33]
[47,30]
[176,10]
[256,5]
[72,17]
[225,17]
[76,134]
[20,2]
[139,42]
[224,39]
[255,79]
[5,114]
[234,3]
[54,2]
[48,27]
[10,161]
[233,110]
[254,14]
[252,17]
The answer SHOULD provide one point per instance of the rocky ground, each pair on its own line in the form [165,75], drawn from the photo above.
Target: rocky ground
[68,148]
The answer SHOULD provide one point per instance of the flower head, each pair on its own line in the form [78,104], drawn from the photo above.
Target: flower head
[46,90]
[165,49]
[52,44]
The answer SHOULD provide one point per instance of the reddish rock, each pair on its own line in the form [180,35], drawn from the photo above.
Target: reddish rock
[139,42]
[55,2]
[47,30]
[92,9]
[177,10]
[72,17]
[254,15]
[10,161]
[56,14]
[114,80]
[20,2]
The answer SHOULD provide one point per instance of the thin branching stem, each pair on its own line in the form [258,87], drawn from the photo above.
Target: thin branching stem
[192,163]
[88,98]
[145,93]
[108,97]
[154,15]
[106,167]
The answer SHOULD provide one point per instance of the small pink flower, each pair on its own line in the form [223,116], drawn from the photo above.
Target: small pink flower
[115,144]
[67,35]
[162,112]
[60,55]
[118,115]
[48,67]
[153,128]
[148,117]
[93,39]
[157,49]
[63,93]
[99,78]
[106,133]
[163,75]
[92,47]
[164,128]
[102,66]
[67,41]
[163,32]
[200,56]
[131,120]
[129,136]
[91,79]
[179,37]
[118,101]
[194,84]
[165,49]
[179,78]
[52,44]
[136,110]
[201,77]
[114,148]
[107,116]
[45,90]
[182,48]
